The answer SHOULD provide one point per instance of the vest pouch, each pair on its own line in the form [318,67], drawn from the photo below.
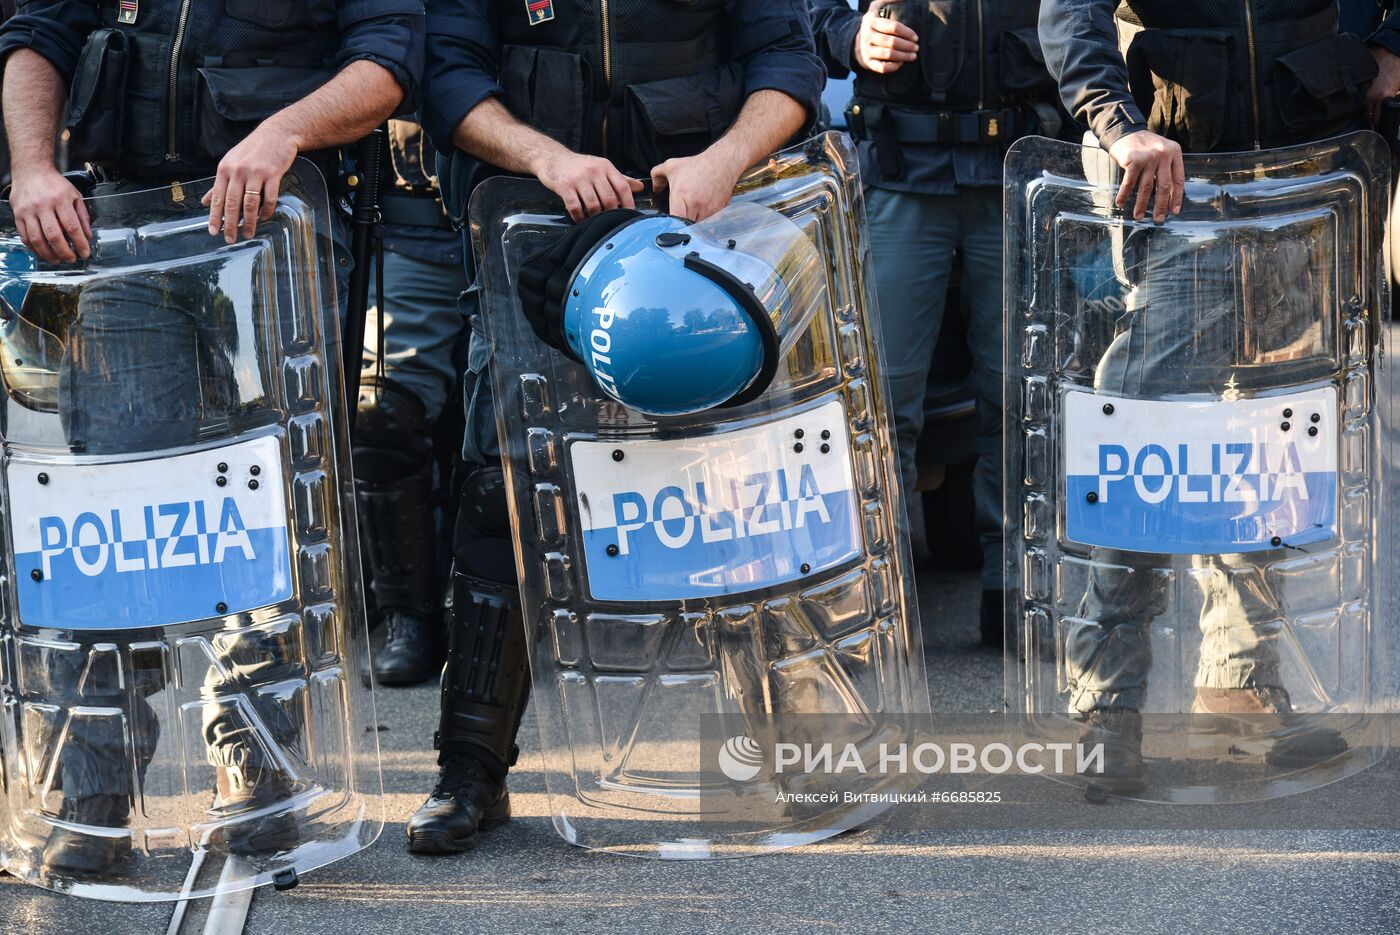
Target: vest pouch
[544,89]
[270,14]
[233,101]
[1189,79]
[97,99]
[681,116]
[1023,72]
[1320,88]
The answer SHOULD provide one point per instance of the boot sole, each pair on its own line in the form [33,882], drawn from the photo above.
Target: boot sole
[1120,787]
[1301,761]
[402,679]
[439,842]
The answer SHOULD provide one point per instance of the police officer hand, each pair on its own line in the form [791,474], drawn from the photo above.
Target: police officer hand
[50,215]
[699,186]
[1386,84]
[884,45]
[588,185]
[248,181]
[1150,163]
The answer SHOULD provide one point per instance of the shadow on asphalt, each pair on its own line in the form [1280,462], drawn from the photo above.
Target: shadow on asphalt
[524,878]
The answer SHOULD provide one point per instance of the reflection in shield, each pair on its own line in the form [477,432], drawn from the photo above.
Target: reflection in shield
[178,656]
[719,580]
[1200,531]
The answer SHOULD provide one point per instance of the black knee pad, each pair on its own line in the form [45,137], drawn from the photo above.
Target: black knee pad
[393,438]
[483,545]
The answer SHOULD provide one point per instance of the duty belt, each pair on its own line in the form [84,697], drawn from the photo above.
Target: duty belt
[413,210]
[875,121]
[889,127]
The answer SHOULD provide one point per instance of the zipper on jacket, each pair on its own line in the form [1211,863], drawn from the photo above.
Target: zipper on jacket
[981,58]
[1253,69]
[173,105]
[607,70]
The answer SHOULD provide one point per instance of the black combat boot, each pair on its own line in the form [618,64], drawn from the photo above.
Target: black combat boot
[91,836]
[263,832]
[467,799]
[1120,732]
[394,489]
[484,688]
[412,649]
[486,681]
[84,855]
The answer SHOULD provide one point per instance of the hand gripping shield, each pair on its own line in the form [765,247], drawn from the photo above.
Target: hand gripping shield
[1195,418]
[698,588]
[182,708]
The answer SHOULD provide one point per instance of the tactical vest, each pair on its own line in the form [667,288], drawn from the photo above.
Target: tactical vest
[1226,75]
[638,81]
[167,87]
[979,71]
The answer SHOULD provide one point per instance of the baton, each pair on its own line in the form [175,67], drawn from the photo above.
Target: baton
[364,223]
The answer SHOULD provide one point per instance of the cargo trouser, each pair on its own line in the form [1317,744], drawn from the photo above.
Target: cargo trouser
[1180,333]
[912,241]
[423,327]
[151,358]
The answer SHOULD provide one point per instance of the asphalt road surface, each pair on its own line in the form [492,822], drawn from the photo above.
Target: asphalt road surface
[524,878]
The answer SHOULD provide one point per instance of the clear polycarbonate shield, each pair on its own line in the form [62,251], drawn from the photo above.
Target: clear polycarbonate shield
[701,590]
[1196,419]
[182,707]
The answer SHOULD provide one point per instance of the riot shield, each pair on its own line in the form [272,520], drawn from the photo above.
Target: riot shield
[735,575]
[182,619]
[1196,413]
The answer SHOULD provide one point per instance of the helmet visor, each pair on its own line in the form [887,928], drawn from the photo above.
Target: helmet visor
[767,250]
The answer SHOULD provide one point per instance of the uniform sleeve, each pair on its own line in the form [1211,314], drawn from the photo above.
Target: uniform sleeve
[835,25]
[388,33]
[772,40]
[1080,43]
[462,62]
[1387,35]
[56,29]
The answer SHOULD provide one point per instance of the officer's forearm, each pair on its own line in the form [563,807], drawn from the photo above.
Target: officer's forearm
[33,99]
[768,120]
[492,134]
[346,108]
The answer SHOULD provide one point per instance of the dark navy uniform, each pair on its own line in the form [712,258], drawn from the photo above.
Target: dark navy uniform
[1213,77]
[167,89]
[402,473]
[932,135]
[160,90]
[636,81]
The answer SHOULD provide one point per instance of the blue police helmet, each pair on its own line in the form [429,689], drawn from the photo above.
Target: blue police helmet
[17,266]
[668,317]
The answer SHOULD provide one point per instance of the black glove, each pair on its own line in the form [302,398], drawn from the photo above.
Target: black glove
[544,276]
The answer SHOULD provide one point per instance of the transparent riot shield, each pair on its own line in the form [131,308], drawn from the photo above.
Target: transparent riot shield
[1196,414]
[181,705]
[700,588]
